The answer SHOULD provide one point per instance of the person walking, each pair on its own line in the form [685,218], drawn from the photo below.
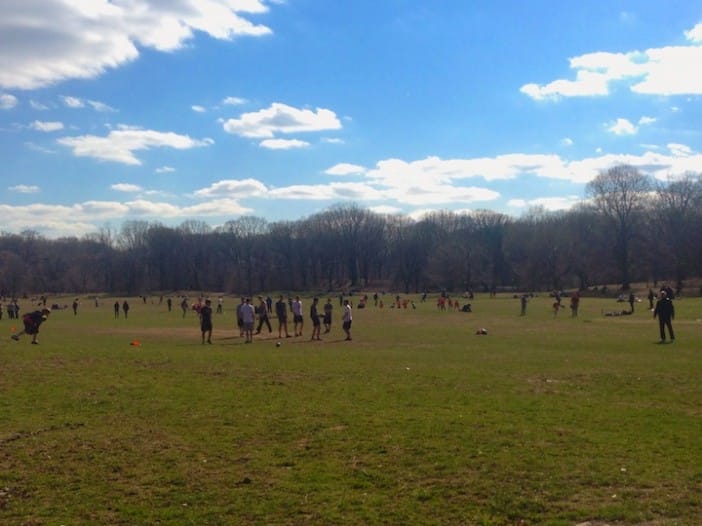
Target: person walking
[31,321]
[263,316]
[665,312]
[281,311]
[347,318]
[206,321]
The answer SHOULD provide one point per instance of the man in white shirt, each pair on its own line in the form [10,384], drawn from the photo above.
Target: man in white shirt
[298,320]
[346,318]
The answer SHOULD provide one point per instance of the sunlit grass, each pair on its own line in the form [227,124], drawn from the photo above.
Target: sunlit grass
[417,421]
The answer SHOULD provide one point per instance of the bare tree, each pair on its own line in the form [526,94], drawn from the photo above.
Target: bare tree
[620,194]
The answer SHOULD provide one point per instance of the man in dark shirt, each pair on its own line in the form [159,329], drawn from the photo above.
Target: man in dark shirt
[206,321]
[281,311]
[31,321]
[665,312]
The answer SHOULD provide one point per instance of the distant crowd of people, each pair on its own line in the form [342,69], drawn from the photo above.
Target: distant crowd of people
[250,314]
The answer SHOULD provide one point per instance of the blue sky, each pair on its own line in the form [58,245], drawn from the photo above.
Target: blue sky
[175,110]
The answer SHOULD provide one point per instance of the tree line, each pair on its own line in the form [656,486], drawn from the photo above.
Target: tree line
[629,229]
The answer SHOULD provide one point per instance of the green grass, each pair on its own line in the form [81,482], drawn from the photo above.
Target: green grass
[417,421]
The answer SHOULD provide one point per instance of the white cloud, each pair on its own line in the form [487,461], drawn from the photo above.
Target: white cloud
[643,121]
[7,101]
[126,187]
[622,127]
[281,118]
[680,150]
[119,145]
[695,34]
[670,70]
[567,141]
[24,189]
[234,188]
[78,103]
[345,169]
[56,40]
[72,102]
[234,101]
[198,109]
[385,209]
[49,126]
[100,106]
[283,144]
[333,140]
[165,170]
[517,203]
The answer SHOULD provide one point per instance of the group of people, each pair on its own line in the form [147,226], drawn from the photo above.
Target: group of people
[247,313]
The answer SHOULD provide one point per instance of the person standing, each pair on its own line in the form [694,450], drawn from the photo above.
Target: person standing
[632,299]
[263,315]
[665,312]
[347,318]
[206,321]
[239,319]
[575,303]
[523,302]
[125,309]
[184,306]
[298,320]
[75,307]
[281,311]
[328,308]
[116,309]
[31,321]
[651,297]
[314,315]
[248,316]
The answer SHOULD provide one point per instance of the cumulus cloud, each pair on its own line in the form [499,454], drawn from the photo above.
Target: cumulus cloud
[281,118]
[622,127]
[50,126]
[7,101]
[669,70]
[119,145]
[48,41]
[233,188]
[283,144]
[345,169]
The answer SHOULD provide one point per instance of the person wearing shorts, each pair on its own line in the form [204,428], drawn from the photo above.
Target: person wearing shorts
[248,317]
[314,315]
[32,321]
[298,320]
[347,318]
[281,311]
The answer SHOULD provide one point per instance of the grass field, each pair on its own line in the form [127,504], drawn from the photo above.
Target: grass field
[418,420]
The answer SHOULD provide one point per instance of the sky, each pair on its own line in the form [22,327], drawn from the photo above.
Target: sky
[209,110]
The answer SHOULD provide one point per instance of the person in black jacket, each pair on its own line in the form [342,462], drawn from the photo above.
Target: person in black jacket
[31,321]
[665,312]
